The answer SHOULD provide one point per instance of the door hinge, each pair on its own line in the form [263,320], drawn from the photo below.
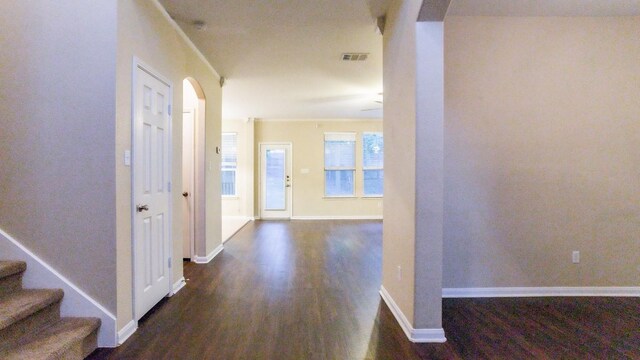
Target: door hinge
[169,109]
[169,186]
[169,262]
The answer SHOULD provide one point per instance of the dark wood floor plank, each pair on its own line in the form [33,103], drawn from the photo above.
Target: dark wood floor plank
[309,290]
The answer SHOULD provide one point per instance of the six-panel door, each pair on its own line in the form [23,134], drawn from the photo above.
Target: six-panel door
[152,275]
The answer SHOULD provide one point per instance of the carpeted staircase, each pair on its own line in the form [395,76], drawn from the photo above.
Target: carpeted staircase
[30,322]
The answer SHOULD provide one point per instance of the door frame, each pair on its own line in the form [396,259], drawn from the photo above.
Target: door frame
[260,180]
[198,252]
[139,64]
[191,198]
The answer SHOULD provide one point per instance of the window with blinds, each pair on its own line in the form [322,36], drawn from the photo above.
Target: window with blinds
[373,163]
[339,164]
[229,163]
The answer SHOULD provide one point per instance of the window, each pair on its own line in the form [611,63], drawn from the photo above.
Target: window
[373,163]
[339,164]
[229,164]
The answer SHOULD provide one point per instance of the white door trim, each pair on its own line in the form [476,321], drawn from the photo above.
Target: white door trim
[191,198]
[139,64]
[261,190]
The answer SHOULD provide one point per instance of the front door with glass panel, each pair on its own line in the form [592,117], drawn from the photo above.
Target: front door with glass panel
[275,181]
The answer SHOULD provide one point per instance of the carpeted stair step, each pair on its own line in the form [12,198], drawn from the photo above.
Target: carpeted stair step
[26,311]
[11,276]
[67,338]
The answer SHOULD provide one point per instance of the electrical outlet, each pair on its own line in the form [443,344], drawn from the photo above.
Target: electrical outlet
[575,257]
[399,273]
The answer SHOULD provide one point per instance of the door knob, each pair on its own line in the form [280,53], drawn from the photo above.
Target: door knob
[142,208]
[185,194]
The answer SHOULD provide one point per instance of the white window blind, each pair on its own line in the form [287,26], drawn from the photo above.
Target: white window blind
[229,163]
[339,163]
[373,163]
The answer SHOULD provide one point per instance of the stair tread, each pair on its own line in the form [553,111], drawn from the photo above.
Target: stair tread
[52,341]
[19,305]
[8,268]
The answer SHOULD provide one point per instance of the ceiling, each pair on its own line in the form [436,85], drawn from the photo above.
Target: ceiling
[282,58]
[544,8]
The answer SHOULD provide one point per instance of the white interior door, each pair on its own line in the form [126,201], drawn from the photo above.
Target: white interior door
[188,178]
[151,197]
[275,181]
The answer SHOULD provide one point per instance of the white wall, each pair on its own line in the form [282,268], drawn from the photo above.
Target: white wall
[57,137]
[429,174]
[414,188]
[398,245]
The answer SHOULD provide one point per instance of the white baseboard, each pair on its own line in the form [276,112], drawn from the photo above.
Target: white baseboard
[540,292]
[415,335]
[177,286]
[208,258]
[127,331]
[367,217]
[75,303]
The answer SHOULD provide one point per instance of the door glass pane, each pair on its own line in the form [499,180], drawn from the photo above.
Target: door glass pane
[275,181]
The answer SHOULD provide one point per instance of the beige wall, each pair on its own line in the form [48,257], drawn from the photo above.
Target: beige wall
[399,74]
[541,151]
[429,174]
[57,105]
[144,32]
[308,153]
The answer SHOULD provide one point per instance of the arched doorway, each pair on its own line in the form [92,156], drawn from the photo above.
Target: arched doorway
[193,170]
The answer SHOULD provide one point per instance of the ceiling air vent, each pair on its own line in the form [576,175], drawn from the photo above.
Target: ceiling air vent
[355,56]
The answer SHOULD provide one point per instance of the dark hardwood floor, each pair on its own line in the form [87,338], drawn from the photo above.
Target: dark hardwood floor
[309,290]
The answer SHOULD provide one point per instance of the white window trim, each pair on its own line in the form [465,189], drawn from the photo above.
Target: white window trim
[352,136]
[374,196]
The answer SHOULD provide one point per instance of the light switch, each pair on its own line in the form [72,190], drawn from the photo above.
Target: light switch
[304,171]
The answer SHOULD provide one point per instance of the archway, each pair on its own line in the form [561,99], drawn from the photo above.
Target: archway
[193,170]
